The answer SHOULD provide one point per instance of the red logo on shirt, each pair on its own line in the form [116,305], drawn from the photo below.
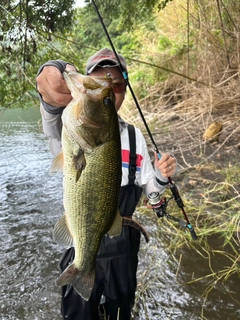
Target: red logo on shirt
[125,159]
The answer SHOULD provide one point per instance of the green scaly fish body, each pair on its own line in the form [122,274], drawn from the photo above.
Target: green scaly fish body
[91,177]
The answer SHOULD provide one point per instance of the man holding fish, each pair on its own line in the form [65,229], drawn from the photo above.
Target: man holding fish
[91,145]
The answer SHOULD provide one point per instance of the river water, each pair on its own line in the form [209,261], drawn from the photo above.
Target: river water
[30,205]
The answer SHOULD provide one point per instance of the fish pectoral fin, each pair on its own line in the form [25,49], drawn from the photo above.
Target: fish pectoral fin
[82,281]
[61,233]
[79,163]
[57,164]
[116,227]
[82,138]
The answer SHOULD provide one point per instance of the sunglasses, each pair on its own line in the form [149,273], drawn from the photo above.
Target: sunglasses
[119,87]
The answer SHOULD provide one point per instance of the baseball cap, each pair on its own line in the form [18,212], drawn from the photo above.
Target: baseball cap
[105,57]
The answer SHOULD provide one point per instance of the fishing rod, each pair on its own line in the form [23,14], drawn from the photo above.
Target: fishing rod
[173,187]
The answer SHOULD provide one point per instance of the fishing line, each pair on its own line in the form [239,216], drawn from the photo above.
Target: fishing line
[173,187]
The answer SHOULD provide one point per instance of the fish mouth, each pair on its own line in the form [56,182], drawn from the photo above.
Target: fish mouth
[94,87]
[87,82]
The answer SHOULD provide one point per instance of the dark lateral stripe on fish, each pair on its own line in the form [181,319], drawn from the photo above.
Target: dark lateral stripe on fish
[134,224]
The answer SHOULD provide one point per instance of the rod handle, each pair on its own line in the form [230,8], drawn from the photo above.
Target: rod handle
[176,195]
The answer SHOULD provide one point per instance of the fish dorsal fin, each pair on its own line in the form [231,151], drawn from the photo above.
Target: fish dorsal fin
[57,164]
[116,227]
[61,233]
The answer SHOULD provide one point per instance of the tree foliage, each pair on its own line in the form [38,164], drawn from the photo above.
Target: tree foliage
[33,31]
[129,12]
[22,23]
[164,34]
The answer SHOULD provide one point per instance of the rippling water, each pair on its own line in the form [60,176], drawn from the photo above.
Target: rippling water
[31,203]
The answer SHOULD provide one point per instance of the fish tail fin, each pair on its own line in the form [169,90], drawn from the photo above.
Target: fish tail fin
[82,281]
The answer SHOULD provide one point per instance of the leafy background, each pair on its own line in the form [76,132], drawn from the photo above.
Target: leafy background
[158,38]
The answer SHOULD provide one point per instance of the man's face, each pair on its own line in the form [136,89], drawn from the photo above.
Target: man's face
[119,86]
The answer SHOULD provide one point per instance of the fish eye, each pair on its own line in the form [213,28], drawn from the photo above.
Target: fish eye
[107,101]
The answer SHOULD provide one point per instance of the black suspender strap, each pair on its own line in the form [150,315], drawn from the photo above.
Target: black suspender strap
[132,155]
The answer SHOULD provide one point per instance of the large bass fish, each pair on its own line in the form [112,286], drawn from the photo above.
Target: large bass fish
[91,159]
